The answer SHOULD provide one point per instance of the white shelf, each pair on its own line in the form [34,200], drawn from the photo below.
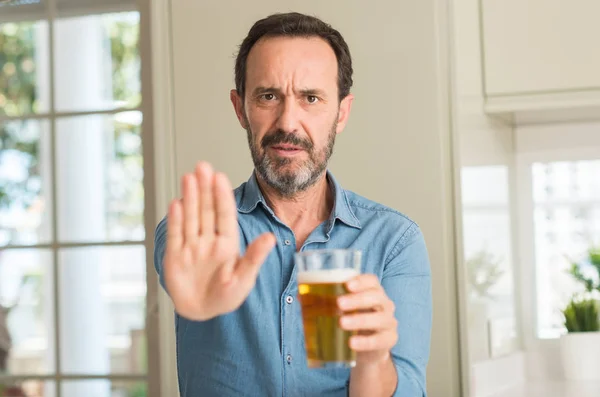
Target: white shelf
[543,101]
[547,107]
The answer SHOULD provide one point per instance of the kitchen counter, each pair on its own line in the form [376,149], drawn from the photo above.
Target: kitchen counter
[553,389]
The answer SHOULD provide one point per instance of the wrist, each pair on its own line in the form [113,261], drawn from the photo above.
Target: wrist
[375,362]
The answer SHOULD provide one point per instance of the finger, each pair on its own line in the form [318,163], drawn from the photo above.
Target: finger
[175,227]
[374,298]
[226,212]
[190,207]
[363,282]
[206,209]
[377,341]
[368,321]
[249,265]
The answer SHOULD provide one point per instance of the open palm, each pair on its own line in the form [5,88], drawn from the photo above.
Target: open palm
[204,272]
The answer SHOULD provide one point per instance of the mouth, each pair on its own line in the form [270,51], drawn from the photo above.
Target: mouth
[286,149]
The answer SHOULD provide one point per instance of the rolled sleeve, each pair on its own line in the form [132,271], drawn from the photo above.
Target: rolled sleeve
[407,281]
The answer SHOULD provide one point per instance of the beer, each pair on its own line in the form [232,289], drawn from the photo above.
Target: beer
[326,343]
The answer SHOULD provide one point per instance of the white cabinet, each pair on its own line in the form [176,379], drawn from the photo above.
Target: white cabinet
[538,51]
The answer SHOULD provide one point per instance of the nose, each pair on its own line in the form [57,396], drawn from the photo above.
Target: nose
[288,119]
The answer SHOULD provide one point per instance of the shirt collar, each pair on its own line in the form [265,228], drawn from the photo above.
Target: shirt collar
[252,196]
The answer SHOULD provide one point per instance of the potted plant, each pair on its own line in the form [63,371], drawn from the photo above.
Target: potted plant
[580,346]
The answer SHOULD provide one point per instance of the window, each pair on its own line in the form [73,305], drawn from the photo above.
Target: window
[73,268]
[570,191]
[487,235]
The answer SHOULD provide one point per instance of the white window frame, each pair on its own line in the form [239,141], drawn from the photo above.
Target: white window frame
[49,12]
[156,48]
[543,354]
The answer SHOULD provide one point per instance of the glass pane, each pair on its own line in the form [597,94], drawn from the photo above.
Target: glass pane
[103,305]
[566,181]
[25,183]
[24,77]
[28,388]
[103,388]
[99,178]
[567,225]
[129,389]
[26,312]
[20,3]
[97,62]
[488,262]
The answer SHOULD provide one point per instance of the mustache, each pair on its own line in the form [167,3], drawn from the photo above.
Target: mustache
[280,136]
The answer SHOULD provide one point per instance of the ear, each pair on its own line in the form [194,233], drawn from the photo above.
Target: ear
[238,106]
[344,112]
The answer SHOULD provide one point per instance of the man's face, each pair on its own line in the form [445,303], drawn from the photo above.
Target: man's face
[291,110]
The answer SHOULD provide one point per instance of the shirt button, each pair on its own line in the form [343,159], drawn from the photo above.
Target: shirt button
[289,299]
[287,242]
[288,358]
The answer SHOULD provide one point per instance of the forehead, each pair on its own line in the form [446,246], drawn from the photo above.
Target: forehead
[302,61]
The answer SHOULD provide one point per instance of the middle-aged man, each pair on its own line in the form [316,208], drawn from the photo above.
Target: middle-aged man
[227,258]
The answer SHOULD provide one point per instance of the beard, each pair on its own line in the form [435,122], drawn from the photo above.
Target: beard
[280,172]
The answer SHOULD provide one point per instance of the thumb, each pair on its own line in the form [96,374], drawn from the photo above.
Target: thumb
[249,265]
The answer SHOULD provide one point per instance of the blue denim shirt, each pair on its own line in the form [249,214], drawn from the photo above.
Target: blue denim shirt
[258,350]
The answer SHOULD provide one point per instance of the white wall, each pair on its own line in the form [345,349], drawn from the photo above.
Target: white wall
[396,149]
[558,137]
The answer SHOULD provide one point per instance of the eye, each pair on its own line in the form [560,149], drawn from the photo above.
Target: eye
[267,97]
[312,99]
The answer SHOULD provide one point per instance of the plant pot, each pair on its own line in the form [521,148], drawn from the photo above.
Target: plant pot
[580,353]
[479,344]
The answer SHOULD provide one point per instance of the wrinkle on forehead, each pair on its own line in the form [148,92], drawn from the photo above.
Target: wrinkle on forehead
[292,65]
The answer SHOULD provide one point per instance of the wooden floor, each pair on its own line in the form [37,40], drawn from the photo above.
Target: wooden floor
[554,389]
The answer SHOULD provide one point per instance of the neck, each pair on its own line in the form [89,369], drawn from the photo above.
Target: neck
[309,207]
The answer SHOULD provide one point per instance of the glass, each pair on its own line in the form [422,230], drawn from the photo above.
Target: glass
[565,237]
[566,180]
[103,310]
[488,258]
[129,389]
[26,312]
[27,388]
[103,388]
[322,275]
[25,183]
[99,174]
[24,69]
[97,62]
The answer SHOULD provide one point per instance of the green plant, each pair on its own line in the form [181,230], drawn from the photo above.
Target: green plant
[582,316]
[582,313]
[139,390]
[589,282]
[483,271]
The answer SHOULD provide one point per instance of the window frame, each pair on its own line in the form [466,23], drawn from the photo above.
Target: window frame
[49,11]
[526,235]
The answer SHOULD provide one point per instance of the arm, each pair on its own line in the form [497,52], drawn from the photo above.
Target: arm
[392,359]
[377,379]
[407,282]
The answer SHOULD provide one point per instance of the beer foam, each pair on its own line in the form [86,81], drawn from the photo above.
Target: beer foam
[326,276]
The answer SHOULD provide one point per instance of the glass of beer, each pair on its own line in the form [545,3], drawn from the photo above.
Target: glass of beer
[322,275]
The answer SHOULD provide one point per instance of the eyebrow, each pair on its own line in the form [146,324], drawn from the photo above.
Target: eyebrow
[261,90]
[315,92]
[307,91]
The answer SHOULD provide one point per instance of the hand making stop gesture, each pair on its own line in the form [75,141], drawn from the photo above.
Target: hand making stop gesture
[204,272]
